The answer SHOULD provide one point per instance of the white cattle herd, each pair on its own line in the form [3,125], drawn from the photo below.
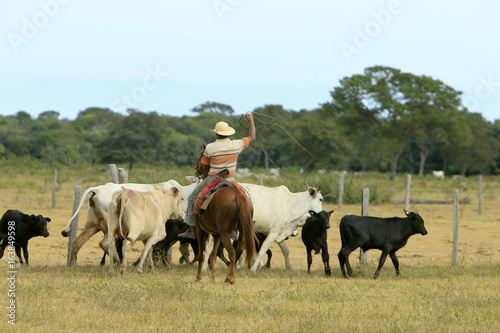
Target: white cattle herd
[138,212]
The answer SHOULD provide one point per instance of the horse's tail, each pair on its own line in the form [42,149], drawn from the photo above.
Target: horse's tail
[249,238]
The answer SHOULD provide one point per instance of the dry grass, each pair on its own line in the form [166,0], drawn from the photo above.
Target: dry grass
[431,295]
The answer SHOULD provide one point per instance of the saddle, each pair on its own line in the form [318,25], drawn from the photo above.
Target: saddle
[206,195]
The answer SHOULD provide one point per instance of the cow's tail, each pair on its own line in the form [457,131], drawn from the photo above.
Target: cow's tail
[64,232]
[121,200]
[342,231]
[245,208]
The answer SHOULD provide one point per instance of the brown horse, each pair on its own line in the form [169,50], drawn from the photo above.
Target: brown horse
[229,210]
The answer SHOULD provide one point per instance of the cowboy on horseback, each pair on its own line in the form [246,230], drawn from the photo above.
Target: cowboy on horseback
[219,155]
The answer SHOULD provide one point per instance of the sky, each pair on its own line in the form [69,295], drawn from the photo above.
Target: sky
[170,56]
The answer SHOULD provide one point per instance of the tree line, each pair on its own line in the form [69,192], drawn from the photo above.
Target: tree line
[382,120]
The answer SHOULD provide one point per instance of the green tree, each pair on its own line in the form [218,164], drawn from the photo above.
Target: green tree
[213,107]
[139,137]
[477,152]
[386,108]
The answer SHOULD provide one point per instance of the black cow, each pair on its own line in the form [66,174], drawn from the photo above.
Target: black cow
[314,238]
[258,244]
[173,227]
[119,247]
[17,229]
[385,234]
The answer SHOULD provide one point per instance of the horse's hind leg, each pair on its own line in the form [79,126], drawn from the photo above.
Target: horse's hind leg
[226,240]
[213,256]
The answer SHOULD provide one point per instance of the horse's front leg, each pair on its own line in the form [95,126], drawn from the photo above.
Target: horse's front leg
[200,235]
[213,256]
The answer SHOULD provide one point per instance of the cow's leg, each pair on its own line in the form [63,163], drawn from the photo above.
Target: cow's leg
[145,252]
[213,256]
[286,252]
[395,262]
[150,258]
[380,263]
[2,248]
[344,262]
[103,260]
[26,254]
[226,240]
[265,246]
[326,259]
[201,247]
[111,248]
[309,259]
[184,249]
[269,256]
[78,242]
[123,266]
[220,254]
[18,253]
[194,246]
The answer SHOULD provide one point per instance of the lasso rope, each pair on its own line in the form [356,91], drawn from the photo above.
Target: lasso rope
[273,122]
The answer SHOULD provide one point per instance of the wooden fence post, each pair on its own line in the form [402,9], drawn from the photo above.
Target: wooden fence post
[408,189]
[122,176]
[455,228]
[364,212]
[113,172]
[480,207]
[54,185]
[341,190]
[74,222]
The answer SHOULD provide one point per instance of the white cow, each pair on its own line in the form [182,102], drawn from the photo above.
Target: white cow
[134,216]
[438,174]
[279,212]
[98,206]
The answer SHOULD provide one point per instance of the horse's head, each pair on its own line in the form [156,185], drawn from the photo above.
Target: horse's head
[202,169]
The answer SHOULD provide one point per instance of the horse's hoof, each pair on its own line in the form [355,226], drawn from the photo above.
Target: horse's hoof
[229,280]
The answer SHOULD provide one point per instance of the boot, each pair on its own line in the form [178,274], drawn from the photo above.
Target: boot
[189,233]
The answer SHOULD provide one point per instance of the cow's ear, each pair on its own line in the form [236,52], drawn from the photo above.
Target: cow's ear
[407,213]
[47,219]
[175,190]
[330,212]
[312,212]
[32,217]
[312,191]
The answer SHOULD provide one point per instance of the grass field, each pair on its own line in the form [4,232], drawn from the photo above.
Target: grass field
[431,295]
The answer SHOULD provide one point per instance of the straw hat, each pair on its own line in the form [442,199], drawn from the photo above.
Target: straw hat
[222,128]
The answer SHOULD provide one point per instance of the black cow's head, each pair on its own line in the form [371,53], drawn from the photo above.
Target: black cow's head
[322,217]
[417,222]
[39,224]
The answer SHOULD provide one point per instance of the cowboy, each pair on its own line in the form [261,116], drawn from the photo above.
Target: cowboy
[221,154]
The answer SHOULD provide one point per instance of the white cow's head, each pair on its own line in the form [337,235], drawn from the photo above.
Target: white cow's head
[315,197]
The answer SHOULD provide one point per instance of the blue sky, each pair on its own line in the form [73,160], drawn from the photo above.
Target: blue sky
[169,56]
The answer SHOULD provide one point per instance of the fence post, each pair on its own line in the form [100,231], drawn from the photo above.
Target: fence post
[341,190]
[113,172]
[408,189]
[455,228]
[122,176]
[364,212]
[480,207]
[54,185]
[74,222]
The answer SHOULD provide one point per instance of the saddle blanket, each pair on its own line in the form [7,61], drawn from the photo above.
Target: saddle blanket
[206,195]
